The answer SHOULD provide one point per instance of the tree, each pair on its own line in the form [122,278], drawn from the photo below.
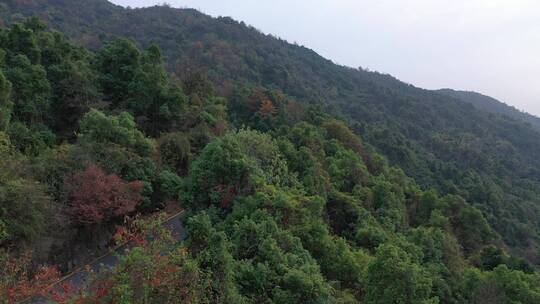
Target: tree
[345,168]
[100,128]
[338,130]
[115,144]
[16,283]
[94,197]
[388,201]
[294,112]
[211,249]
[502,285]
[152,272]
[394,278]
[30,140]
[197,83]
[267,109]
[221,168]
[263,151]
[469,224]
[137,82]
[31,90]
[175,152]
[6,105]
[22,39]
[156,104]
[118,64]
[74,93]
[490,257]
[427,203]
[25,207]
[343,213]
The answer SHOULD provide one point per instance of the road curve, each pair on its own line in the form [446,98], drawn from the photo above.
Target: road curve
[78,277]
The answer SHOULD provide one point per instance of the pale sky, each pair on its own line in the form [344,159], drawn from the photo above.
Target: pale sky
[488,46]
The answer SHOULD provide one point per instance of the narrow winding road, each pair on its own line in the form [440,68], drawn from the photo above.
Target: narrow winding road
[78,277]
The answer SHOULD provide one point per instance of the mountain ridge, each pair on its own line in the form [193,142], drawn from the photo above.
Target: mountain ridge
[492,105]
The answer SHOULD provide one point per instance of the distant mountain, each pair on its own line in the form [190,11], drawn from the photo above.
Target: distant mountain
[441,141]
[493,105]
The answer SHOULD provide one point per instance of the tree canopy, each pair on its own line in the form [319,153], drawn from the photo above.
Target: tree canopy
[292,193]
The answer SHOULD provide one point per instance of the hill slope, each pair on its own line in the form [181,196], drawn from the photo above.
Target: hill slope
[440,141]
[492,105]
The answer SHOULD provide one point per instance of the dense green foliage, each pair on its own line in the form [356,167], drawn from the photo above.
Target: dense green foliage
[442,142]
[412,197]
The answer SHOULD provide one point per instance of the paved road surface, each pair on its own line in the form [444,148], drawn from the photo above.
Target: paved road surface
[77,278]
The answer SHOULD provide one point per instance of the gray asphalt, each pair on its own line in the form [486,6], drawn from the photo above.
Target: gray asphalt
[78,278]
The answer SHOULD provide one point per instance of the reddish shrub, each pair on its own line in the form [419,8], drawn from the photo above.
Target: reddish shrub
[16,285]
[94,197]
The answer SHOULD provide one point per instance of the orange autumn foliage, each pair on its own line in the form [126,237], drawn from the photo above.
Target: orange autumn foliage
[267,108]
[16,283]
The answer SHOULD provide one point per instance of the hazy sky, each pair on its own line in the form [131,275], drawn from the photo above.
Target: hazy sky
[488,46]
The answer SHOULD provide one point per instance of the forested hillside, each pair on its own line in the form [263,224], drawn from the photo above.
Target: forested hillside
[492,105]
[304,181]
[444,143]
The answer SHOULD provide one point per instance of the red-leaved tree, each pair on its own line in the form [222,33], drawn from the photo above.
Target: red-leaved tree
[17,285]
[95,197]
